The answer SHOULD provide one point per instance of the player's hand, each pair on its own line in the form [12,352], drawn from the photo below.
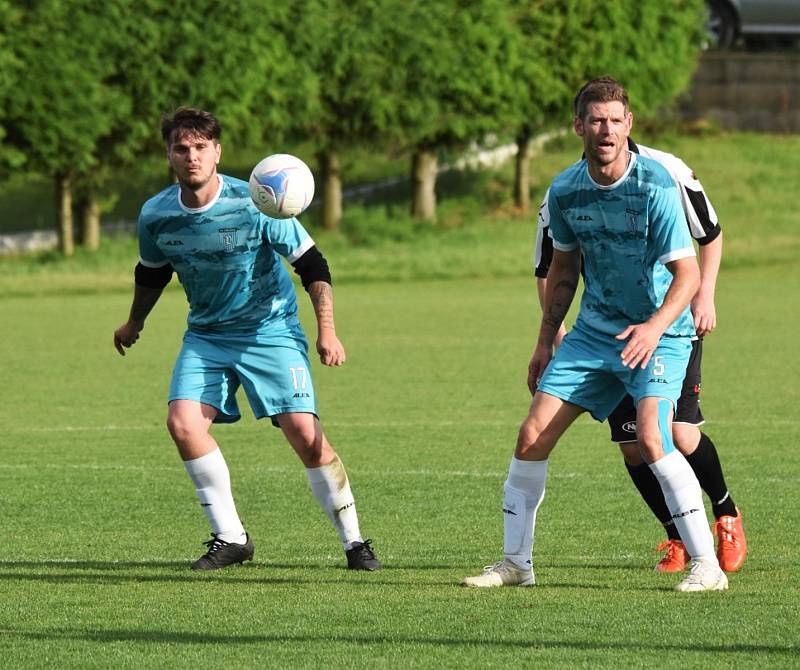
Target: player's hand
[330,350]
[539,360]
[643,338]
[705,315]
[126,335]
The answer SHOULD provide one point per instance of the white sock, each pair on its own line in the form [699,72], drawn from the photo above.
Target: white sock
[213,484]
[331,488]
[523,492]
[685,502]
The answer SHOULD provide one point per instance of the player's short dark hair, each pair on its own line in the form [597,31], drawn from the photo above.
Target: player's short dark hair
[193,120]
[602,89]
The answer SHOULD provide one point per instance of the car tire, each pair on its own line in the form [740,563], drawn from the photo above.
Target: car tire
[721,24]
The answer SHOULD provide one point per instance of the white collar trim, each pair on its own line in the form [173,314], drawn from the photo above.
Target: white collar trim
[624,176]
[206,207]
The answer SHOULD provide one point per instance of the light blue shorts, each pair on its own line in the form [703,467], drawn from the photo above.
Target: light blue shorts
[587,371]
[273,371]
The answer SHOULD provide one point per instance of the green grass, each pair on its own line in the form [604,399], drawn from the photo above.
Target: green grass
[100,520]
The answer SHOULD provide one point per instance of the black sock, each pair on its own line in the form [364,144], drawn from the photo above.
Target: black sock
[705,463]
[648,486]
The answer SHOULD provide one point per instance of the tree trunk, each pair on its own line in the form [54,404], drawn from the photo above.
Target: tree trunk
[66,242]
[331,189]
[522,171]
[89,212]
[424,167]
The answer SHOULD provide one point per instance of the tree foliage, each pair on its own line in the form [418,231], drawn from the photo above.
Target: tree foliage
[63,102]
[455,61]
[650,47]
[348,52]
[661,43]
[10,76]
[83,85]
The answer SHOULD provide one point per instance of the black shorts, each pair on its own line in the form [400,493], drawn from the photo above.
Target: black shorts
[622,421]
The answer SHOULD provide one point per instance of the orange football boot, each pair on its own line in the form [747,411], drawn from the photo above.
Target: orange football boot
[675,559]
[731,543]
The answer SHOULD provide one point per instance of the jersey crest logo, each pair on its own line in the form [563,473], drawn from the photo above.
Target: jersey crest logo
[227,238]
[632,214]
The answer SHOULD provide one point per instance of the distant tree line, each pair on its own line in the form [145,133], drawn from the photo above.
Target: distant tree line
[83,84]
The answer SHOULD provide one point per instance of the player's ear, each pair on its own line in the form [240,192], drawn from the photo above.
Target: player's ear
[577,126]
[219,151]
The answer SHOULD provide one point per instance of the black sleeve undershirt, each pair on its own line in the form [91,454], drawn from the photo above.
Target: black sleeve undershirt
[311,267]
[156,278]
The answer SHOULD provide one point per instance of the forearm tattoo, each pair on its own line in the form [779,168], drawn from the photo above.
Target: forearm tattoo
[562,295]
[321,294]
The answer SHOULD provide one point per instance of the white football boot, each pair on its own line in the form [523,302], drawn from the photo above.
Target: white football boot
[703,576]
[502,573]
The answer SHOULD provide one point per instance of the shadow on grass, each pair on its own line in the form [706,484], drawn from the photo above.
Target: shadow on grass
[253,573]
[205,638]
[184,565]
[121,572]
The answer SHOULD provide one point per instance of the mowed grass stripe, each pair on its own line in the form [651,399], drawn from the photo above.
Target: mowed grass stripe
[100,524]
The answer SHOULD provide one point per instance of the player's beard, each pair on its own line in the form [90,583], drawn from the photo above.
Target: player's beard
[196,181]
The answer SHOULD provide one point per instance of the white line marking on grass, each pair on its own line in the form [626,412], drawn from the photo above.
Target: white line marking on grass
[772,421]
[113,466]
[78,429]
[483,474]
[77,466]
[279,564]
[365,472]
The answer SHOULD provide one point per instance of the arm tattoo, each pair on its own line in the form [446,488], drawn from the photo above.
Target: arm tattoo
[321,294]
[563,292]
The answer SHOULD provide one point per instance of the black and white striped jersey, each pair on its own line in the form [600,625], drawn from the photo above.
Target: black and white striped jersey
[700,215]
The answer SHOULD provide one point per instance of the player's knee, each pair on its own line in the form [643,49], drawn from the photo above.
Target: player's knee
[308,441]
[686,437]
[181,428]
[650,446]
[533,442]
[310,445]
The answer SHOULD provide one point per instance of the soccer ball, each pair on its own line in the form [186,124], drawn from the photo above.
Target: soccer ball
[281,186]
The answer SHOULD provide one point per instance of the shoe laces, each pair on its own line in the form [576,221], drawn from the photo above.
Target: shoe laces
[672,547]
[215,544]
[500,566]
[723,528]
[695,575]
[365,548]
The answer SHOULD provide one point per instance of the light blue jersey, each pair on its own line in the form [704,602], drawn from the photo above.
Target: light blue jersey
[627,232]
[227,256]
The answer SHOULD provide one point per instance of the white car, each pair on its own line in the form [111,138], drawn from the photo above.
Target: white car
[756,21]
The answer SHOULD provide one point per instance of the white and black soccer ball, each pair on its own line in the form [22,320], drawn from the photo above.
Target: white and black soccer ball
[281,186]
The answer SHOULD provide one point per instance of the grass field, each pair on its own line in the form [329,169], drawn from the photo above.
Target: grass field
[100,521]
